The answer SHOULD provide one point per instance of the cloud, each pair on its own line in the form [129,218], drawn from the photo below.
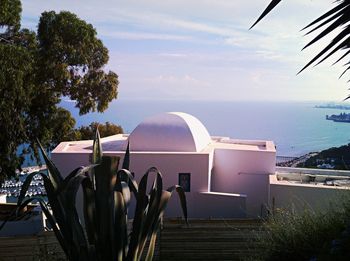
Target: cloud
[178,81]
[173,55]
[265,54]
[144,36]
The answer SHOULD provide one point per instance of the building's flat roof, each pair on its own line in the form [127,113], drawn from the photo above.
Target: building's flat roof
[246,145]
[315,178]
[225,194]
[112,143]
[332,172]
[118,143]
[291,183]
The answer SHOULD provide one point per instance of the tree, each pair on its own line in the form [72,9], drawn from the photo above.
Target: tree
[337,18]
[105,130]
[64,58]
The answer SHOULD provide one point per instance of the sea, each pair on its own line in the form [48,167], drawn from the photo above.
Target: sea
[296,128]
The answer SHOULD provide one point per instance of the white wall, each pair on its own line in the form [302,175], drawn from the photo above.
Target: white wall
[218,205]
[67,162]
[231,171]
[170,165]
[299,196]
[2,198]
[244,172]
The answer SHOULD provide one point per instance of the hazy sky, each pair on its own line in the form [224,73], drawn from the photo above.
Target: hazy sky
[203,50]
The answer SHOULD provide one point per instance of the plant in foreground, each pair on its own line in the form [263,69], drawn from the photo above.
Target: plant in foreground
[305,235]
[106,196]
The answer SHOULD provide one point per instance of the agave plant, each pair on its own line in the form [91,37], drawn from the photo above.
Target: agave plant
[106,196]
[336,18]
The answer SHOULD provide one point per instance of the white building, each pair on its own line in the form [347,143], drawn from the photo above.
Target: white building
[223,177]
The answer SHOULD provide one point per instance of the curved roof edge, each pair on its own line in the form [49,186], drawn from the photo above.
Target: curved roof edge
[172,131]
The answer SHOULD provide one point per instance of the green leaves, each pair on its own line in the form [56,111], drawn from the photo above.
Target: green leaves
[107,129]
[105,176]
[10,15]
[107,194]
[54,174]
[16,90]
[126,161]
[97,148]
[63,59]
[73,59]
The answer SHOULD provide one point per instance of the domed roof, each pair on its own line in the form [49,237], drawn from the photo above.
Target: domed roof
[172,131]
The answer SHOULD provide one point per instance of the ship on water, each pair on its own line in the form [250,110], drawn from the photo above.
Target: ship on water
[342,117]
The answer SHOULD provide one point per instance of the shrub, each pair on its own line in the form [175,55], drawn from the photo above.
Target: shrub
[106,194]
[306,235]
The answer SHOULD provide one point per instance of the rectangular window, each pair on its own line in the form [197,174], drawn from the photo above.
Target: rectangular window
[185,181]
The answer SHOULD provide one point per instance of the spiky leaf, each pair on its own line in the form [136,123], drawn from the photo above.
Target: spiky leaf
[105,176]
[97,149]
[25,187]
[54,174]
[89,209]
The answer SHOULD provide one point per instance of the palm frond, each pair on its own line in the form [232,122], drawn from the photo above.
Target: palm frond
[268,9]
[337,18]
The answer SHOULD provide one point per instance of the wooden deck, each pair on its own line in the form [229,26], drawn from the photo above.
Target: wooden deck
[201,240]
[208,239]
[39,247]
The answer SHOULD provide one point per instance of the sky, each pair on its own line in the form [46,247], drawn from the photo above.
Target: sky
[204,50]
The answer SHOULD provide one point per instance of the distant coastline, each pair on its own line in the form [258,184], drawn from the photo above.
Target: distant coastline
[294,162]
[333,158]
[333,106]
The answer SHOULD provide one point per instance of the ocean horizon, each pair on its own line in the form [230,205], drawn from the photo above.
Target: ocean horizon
[296,128]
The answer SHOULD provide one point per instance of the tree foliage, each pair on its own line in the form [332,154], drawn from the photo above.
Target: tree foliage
[63,58]
[338,157]
[10,14]
[335,20]
[105,130]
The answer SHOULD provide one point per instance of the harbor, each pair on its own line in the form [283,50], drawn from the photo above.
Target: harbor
[11,188]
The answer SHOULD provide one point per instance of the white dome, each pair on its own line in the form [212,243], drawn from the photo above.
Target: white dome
[172,131]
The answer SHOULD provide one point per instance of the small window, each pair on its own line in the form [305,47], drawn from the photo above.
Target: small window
[185,181]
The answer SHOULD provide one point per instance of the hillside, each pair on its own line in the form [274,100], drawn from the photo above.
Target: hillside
[333,158]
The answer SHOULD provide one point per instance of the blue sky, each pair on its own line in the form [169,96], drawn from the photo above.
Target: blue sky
[203,50]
